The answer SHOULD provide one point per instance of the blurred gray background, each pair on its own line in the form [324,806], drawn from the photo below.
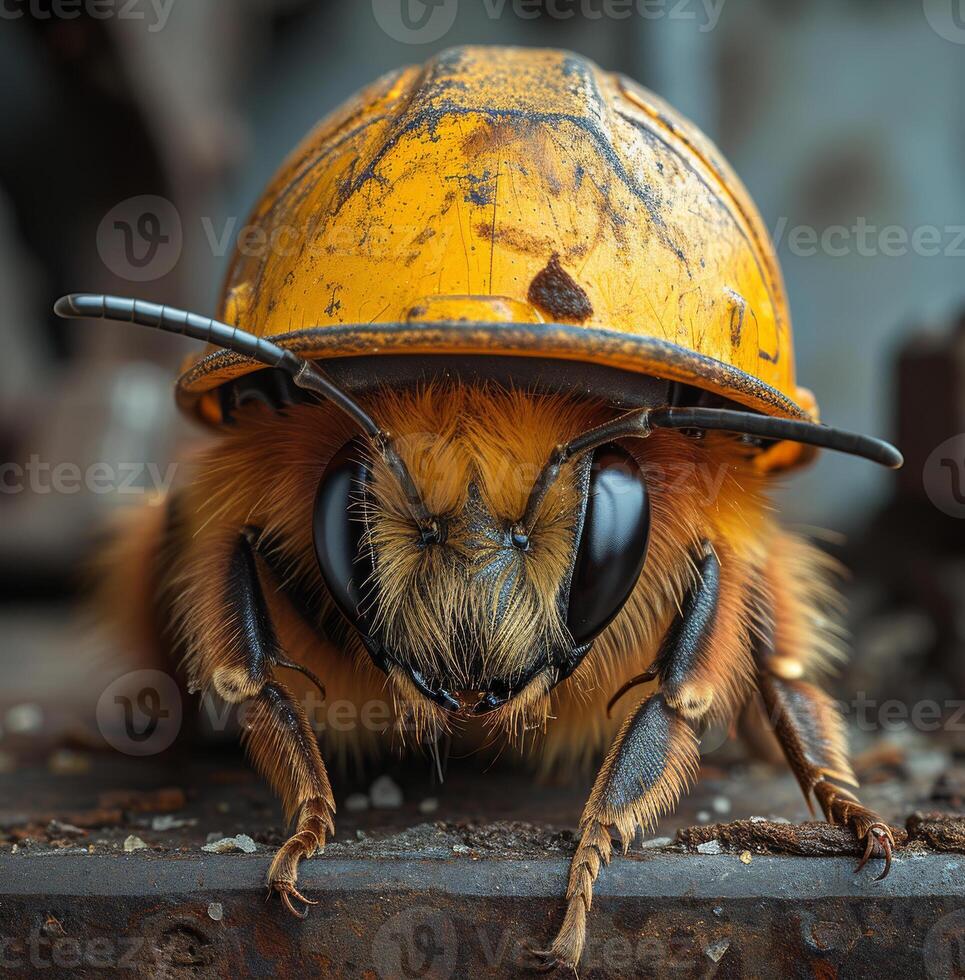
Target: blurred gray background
[838,115]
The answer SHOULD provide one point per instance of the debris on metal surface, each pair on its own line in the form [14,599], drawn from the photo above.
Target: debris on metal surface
[481,874]
[764,837]
[937,831]
[227,845]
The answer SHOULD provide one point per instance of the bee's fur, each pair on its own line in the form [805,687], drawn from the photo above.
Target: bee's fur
[477,450]
[485,451]
[265,472]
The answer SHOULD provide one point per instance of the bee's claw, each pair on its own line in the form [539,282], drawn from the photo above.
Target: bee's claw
[546,960]
[542,960]
[302,898]
[287,893]
[869,849]
[298,913]
[880,843]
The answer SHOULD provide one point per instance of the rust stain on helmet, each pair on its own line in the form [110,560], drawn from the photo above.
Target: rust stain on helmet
[558,294]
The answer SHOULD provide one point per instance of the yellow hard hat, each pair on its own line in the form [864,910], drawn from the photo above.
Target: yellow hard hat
[525,209]
[514,201]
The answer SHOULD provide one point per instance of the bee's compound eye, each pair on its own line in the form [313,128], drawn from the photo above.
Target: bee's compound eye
[613,543]
[339,528]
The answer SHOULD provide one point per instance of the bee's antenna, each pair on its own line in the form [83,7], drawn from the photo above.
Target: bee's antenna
[641,423]
[303,372]
[771,428]
[634,424]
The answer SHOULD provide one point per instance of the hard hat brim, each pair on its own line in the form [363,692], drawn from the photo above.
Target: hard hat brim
[627,352]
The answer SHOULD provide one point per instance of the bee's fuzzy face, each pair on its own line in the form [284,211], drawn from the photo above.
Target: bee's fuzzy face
[471,614]
[476,615]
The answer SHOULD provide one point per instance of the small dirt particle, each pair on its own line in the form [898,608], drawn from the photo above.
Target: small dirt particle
[715,951]
[167,822]
[57,828]
[228,845]
[53,927]
[385,794]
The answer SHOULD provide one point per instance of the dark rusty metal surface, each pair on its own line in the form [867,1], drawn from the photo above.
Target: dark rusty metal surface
[465,890]
[436,913]
[459,887]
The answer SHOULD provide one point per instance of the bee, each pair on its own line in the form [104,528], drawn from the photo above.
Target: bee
[497,429]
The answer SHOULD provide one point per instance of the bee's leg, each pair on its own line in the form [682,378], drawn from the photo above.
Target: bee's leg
[240,668]
[810,731]
[283,748]
[704,664]
[796,635]
[655,754]
[277,733]
[652,760]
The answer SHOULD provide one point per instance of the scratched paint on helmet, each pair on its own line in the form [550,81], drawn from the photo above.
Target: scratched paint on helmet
[471,176]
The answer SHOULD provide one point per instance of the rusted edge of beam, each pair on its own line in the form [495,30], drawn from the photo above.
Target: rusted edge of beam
[663,875]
